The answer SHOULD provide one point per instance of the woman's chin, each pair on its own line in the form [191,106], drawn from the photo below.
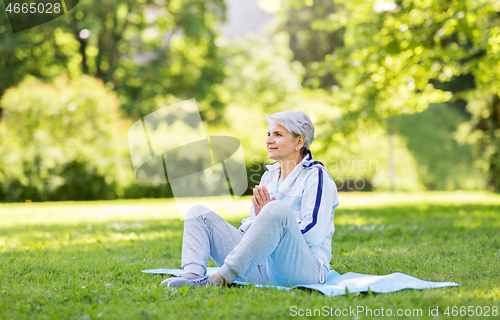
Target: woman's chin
[271,156]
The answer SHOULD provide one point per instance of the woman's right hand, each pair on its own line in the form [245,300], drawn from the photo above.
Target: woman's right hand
[260,198]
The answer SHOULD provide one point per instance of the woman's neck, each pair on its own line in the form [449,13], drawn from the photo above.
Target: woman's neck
[287,166]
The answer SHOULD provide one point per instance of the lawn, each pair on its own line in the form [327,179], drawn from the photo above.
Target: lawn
[82,260]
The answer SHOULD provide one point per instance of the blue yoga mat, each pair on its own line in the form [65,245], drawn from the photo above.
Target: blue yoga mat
[337,284]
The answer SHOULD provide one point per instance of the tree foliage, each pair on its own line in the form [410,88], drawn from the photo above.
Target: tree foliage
[308,43]
[400,56]
[259,73]
[139,48]
[443,163]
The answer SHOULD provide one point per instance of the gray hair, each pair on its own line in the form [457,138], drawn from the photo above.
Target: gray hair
[297,123]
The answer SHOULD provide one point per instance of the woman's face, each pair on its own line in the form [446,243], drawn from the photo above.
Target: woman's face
[281,144]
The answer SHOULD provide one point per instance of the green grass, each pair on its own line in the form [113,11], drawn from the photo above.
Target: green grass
[83,260]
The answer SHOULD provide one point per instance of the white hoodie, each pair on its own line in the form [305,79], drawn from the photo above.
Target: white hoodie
[312,194]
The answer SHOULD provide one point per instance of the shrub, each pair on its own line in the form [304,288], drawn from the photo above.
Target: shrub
[58,141]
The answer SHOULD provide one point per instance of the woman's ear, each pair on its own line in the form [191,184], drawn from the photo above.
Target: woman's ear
[301,141]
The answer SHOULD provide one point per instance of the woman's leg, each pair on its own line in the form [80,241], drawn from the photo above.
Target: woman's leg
[276,238]
[207,234]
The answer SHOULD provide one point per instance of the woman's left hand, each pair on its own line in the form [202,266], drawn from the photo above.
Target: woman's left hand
[260,198]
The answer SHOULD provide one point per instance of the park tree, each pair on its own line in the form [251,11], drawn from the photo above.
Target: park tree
[400,56]
[308,44]
[141,49]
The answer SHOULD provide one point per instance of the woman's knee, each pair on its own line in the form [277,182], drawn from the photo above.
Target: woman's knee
[198,211]
[277,209]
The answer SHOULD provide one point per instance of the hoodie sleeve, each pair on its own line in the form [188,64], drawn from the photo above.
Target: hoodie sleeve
[319,201]
[245,223]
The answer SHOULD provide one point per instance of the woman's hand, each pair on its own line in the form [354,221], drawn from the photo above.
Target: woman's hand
[260,198]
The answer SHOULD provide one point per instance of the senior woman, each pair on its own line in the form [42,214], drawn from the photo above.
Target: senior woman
[287,238]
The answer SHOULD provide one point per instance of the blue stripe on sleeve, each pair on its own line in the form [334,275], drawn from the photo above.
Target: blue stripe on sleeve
[318,202]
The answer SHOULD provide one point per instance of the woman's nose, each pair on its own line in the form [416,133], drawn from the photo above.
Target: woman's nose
[269,140]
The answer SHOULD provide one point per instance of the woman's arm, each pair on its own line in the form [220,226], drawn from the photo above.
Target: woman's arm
[319,201]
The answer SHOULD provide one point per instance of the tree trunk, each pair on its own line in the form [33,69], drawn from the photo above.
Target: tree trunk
[83,46]
[494,133]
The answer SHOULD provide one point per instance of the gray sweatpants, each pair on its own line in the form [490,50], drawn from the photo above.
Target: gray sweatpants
[273,249]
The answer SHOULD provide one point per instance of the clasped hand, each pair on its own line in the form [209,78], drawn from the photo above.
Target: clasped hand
[260,198]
